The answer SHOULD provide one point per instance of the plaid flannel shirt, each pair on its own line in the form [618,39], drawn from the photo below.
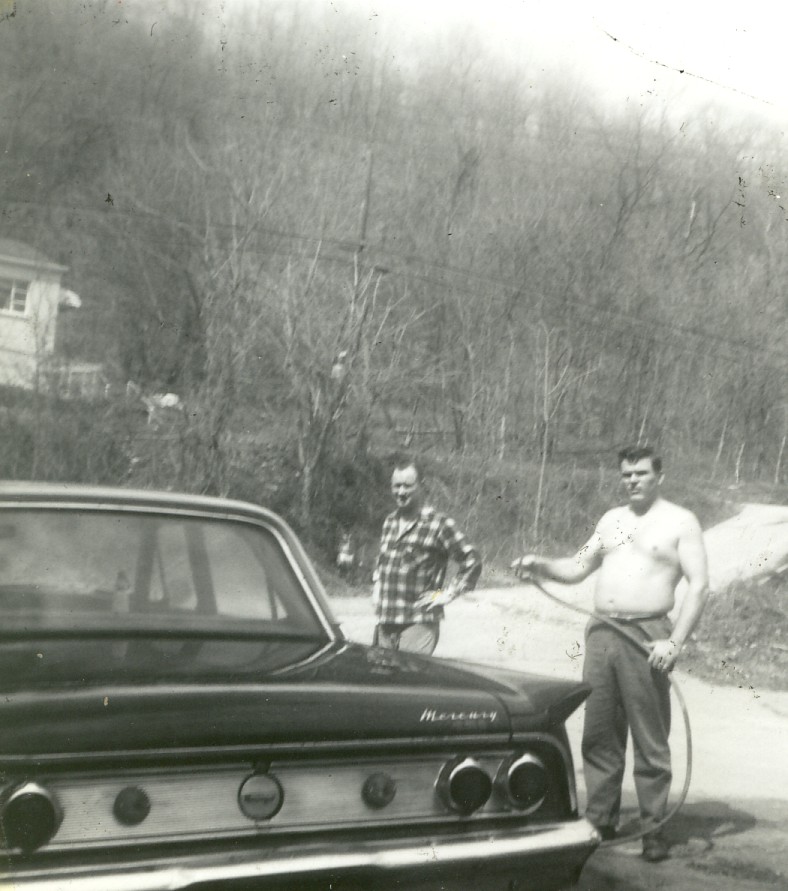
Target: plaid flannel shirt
[414,562]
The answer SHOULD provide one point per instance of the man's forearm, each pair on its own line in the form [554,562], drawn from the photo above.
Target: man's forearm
[694,601]
[566,570]
[467,576]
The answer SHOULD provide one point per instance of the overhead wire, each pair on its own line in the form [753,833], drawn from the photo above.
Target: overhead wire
[639,327]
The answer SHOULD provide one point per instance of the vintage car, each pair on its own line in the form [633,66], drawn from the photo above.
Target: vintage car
[179,709]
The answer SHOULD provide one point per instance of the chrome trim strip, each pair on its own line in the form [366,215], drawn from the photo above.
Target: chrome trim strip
[384,858]
[211,790]
[213,812]
[379,746]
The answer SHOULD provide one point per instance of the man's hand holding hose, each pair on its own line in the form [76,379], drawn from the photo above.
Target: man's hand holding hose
[663,655]
[525,568]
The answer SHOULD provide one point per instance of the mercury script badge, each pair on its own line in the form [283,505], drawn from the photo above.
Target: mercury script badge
[432,715]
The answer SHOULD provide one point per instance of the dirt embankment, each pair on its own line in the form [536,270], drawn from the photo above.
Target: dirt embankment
[742,640]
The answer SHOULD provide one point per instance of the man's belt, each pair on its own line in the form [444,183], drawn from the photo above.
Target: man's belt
[634,617]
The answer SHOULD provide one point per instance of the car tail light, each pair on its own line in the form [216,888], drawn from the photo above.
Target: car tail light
[463,785]
[522,780]
[29,817]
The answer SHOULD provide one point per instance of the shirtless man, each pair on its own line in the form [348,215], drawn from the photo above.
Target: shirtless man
[642,550]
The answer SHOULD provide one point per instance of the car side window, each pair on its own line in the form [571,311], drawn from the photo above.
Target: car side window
[240,581]
[224,569]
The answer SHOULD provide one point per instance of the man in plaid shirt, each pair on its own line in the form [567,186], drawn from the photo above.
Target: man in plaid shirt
[415,548]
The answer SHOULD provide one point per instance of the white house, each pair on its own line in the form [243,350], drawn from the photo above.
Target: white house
[30,294]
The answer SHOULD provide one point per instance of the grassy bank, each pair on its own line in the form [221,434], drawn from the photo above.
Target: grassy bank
[742,639]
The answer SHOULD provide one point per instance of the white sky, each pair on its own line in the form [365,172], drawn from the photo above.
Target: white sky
[733,53]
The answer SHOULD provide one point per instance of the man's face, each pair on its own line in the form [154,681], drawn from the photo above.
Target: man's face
[405,488]
[641,481]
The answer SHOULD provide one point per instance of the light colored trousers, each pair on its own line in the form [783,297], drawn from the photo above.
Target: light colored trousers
[421,637]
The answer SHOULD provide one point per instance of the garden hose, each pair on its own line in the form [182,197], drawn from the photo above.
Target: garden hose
[675,688]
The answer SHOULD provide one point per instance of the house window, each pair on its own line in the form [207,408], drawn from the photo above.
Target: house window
[13,295]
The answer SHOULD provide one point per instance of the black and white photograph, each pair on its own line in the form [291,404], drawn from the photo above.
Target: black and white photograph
[393,445]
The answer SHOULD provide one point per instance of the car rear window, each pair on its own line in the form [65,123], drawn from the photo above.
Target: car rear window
[123,568]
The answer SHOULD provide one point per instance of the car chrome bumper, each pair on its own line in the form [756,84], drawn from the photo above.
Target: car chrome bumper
[561,848]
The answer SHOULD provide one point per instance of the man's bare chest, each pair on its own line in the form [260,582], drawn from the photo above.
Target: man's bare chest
[639,537]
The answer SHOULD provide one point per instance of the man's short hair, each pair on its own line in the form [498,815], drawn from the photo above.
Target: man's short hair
[633,454]
[404,460]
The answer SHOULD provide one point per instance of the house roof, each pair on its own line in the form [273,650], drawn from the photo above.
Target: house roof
[25,255]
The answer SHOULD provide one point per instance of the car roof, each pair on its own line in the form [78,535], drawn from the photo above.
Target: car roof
[65,492]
